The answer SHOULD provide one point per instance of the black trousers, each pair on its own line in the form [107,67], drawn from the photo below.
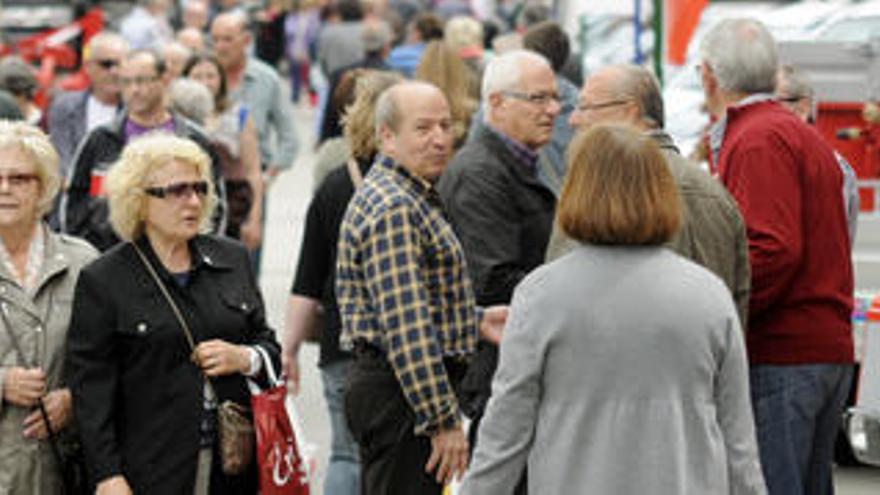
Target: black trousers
[393,458]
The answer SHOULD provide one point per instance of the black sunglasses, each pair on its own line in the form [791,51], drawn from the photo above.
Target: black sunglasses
[107,63]
[179,190]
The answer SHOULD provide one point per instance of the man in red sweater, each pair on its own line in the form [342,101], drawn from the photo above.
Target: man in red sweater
[788,185]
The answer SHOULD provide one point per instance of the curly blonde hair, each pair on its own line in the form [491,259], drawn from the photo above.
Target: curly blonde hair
[358,126]
[35,144]
[127,178]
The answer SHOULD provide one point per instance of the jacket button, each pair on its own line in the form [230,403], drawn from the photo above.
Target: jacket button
[142,327]
[244,306]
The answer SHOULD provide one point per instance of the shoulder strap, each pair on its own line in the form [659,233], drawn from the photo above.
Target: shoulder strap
[164,290]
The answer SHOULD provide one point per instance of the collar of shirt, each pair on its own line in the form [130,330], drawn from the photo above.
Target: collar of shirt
[413,183]
[524,155]
[719,128]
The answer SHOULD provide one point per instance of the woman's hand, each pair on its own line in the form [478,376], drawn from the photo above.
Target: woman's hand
[58,405]
[115,485]
[22,387]
[219,358]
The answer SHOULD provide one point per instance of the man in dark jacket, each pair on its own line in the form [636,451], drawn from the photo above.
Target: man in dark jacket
[498,207]
[788,184]
[144,81]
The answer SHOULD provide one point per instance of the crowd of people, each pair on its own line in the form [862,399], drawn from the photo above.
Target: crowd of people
[516,279]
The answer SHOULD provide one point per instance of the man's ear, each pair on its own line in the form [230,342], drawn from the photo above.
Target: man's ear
[385,137]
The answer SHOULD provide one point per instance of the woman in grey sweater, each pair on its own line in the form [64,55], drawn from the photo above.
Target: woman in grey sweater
[622,368]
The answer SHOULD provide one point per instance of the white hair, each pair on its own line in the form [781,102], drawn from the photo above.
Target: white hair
[505,71]
[742,55]
[192,99]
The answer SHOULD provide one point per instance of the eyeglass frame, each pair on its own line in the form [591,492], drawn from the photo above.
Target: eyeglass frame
[18,180]
[107,63]
[138,81]
[541,99]
[179,191]
[586,107]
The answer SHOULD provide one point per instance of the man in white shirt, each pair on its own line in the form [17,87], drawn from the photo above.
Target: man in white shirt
[73,114]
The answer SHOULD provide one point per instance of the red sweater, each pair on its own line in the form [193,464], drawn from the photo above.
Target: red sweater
[789,189]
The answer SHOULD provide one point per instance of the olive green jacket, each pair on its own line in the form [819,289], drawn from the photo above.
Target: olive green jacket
[39,321]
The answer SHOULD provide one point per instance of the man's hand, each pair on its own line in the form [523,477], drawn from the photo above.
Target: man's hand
[449,455]
[22,387]
[115,485]
[58,406]
[252,233]
[219,358]
[290,368]
[492,324]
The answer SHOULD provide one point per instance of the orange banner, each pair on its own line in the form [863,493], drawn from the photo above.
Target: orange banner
[681,18]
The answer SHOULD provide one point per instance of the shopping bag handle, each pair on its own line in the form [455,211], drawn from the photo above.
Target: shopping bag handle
[274,379]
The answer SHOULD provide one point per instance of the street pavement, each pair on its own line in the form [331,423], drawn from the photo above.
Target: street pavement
[288,200]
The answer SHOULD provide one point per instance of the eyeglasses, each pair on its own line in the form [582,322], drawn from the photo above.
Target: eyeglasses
[17,181]
[107,63]
[586,107]
[179,190]
[137,81]
[535,98]
[789,99]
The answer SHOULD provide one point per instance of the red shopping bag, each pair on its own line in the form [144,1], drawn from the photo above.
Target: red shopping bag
[282,466]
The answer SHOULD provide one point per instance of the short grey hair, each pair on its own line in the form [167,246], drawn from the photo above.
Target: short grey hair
[636,83]
[793,82]
[742,55]
[191,99]
[504,72]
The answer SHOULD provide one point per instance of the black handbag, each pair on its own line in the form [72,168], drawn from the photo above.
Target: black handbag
[68,452]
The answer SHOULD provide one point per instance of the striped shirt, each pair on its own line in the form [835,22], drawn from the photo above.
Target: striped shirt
[402,287]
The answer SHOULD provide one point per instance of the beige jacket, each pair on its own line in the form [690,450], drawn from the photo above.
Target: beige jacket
[39,320]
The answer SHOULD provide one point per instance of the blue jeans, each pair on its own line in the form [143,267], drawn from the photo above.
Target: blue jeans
[797,417]
[343,469]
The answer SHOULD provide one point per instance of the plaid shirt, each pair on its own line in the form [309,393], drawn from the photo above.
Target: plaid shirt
[402,286]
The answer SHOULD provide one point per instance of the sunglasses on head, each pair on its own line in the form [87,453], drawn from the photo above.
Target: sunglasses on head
[179,190]
[107,64]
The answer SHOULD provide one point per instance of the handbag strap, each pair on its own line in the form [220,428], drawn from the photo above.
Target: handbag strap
[164,290]
[180,319]
[56,451]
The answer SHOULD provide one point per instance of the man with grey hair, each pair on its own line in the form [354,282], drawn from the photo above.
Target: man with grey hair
[73,114]
[788,186]
[712,233]
[406,304]
[496,203]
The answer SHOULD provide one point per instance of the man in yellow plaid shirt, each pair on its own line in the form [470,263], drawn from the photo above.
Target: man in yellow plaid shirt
[406,303]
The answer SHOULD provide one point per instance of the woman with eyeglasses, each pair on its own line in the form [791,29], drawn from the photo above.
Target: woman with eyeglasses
[166,326]
[38,272]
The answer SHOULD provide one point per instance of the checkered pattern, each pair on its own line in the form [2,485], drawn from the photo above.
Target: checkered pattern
[402,286]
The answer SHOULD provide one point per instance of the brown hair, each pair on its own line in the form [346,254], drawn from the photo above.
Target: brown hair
[618,190]
[442,67]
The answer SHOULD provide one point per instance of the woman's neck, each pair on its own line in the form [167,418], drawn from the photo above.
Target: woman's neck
[17,239]
[173,253]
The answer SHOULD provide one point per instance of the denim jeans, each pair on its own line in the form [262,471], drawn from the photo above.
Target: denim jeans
[797,416]
[343,469]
